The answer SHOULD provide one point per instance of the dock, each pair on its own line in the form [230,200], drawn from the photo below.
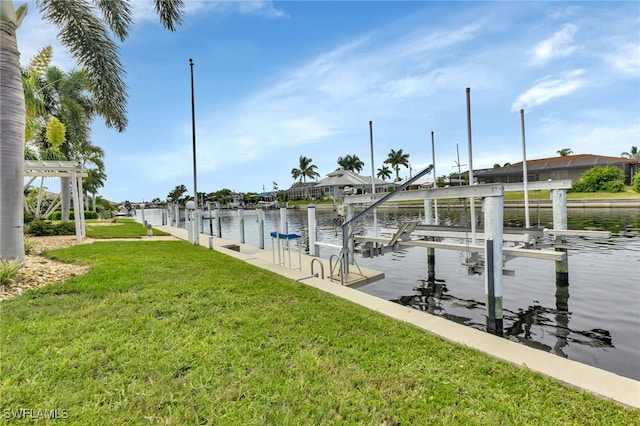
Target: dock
[297,266]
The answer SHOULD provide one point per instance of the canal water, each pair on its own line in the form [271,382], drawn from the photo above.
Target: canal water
[595,320]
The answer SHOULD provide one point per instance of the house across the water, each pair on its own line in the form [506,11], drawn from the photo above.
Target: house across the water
[557,168]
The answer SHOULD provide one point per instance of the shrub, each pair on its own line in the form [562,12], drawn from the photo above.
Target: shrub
[601,178]
[8,270]
[636,182]
[28,217]
[88,214]
[41,228]
[46,228]
[613,186]
[65,228]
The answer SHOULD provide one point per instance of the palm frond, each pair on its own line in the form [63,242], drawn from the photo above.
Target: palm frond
[170,12]
[87,38]
[118,16]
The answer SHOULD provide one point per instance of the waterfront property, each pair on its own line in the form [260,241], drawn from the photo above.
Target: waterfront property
[555,168]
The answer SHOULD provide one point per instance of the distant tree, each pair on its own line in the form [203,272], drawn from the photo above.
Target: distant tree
[496,166]
[506,164]
[633,154]
[92,183]
[384,173]
[223,196]
[176,196]
[564,152]
[441,181]
[397,159]
[306,169]
[351,163]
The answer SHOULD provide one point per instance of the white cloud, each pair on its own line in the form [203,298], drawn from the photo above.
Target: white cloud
[36,33]
[560,45]
[626,59]
[144,10]
[548,89]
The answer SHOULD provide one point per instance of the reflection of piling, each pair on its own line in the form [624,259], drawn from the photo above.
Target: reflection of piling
[559,203]
[431,265]
[562,319]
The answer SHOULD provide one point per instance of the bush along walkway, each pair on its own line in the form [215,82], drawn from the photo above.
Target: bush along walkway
[162,331]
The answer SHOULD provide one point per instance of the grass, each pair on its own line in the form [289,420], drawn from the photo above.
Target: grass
[165,332]
[544,195]
[123,228]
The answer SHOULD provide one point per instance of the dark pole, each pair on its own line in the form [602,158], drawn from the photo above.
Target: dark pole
[196,233]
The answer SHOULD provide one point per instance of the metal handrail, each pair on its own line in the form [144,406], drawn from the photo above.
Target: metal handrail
[331,268]
[315,259]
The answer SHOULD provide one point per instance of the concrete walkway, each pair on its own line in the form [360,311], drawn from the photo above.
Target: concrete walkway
[582,376]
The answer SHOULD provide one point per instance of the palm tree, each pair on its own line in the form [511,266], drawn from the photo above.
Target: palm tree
[633,154]
[564,152]
[92,182]
[397,159]
[305,170]
[95,51]
[384,173]
[351,163]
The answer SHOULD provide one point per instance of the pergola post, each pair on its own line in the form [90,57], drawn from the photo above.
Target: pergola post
[65,170]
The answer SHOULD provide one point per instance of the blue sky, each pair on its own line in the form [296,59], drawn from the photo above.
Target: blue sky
[276,80]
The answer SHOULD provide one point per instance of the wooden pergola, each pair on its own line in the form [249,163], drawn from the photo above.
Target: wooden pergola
[60,169]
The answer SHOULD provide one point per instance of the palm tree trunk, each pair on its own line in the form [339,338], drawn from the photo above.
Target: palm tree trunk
[65,194]
[12,124]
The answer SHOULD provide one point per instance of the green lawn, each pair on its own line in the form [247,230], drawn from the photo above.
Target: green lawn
[165,332]
[121,228]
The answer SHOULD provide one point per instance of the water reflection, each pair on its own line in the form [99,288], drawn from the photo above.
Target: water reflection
[536,326]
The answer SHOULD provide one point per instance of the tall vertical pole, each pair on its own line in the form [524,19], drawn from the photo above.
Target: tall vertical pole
[241,223]
[196,239]
[260,227]
[313,229]
[218,223]
[373,184]
[493,228]
[559,205]
[435,179]
[472,180]
[525,177]
[210,218]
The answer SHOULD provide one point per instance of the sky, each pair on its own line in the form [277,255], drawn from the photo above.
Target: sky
[274,81]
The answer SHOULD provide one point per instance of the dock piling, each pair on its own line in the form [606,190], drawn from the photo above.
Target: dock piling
[241,223]
[260,228]
[494,216]
[559,206]
[313,230]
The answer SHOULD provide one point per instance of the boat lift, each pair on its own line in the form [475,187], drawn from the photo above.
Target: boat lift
[487,258]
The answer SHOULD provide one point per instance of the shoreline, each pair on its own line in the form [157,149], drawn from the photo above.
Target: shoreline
[544,204]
